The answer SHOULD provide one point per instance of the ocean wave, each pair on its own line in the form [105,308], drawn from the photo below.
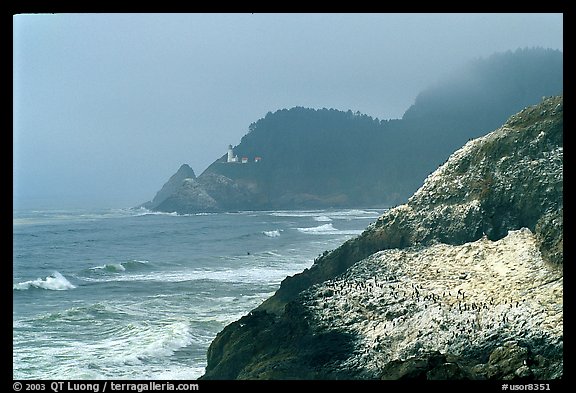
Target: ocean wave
[327,216]
[111,267]
[120,267]
[182,372]
[110,352]
[274,233]
[142,211]
[271,253]
[161,342]
[355,214]
[254,274]
[37,217]
[54,282]
[319,229]
[295,213]
[47,216]
[135,342]
[97,312]
[327,229]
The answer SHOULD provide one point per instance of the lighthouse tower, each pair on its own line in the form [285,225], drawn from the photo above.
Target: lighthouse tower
[231,156]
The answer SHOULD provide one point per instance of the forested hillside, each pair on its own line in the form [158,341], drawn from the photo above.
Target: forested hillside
[318,158]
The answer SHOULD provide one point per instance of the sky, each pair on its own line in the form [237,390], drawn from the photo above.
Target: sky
[106,107]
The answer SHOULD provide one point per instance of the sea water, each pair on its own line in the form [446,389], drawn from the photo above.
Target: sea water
[133,294]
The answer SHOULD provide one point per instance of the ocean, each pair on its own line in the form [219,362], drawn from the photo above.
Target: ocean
[134,294]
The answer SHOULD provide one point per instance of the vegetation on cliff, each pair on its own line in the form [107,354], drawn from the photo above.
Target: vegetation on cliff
[462,281]
[320,158]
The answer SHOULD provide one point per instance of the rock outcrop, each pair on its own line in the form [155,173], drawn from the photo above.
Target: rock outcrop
[190,197]
[196,195]
[171,187]
[304,158]
[464,281]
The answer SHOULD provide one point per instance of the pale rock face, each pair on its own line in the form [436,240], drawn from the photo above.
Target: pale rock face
[451,299]
[171,186]
[465,280]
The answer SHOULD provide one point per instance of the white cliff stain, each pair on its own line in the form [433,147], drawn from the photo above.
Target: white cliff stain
[400,303]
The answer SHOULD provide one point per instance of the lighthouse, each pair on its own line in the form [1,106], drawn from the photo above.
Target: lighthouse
[231,156]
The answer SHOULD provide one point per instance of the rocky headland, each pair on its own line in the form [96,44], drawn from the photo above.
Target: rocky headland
[304,158]
[464,281]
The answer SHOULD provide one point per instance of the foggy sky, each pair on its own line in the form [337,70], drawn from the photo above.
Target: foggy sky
[108,106]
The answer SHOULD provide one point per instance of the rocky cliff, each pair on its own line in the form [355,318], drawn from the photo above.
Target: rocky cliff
[464,281]
[172,186]
[326,158]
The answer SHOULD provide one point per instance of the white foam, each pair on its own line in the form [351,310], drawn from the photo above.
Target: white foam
[54,282]
[319,229]
[327,216]
[19,324]
[118,267]
[142,211]
[274,233]
[294,213]
[182,373]
[328,229]
[173,338]
[50,216]
[133,343]
[249,274]
[355,214]
[140,344]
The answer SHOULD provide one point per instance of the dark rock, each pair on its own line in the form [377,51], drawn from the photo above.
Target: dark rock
[327,158]
[171,186]
[508,180]
[190,197]
[446,371]
[550,235]
[432,366]
[413,368]
[263,346]
[509,362]
[230,195]
[505,181]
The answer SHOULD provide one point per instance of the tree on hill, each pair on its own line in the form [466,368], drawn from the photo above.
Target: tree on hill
[331,158]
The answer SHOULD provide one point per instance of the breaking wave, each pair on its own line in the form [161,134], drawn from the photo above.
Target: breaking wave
[274,233]
[54,282]
[319,229]
[119,267]
[327,229]
[327,216]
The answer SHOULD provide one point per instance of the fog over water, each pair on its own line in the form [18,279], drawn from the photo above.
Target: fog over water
[108,106]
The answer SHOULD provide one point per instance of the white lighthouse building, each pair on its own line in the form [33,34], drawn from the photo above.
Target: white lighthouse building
[231,156]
